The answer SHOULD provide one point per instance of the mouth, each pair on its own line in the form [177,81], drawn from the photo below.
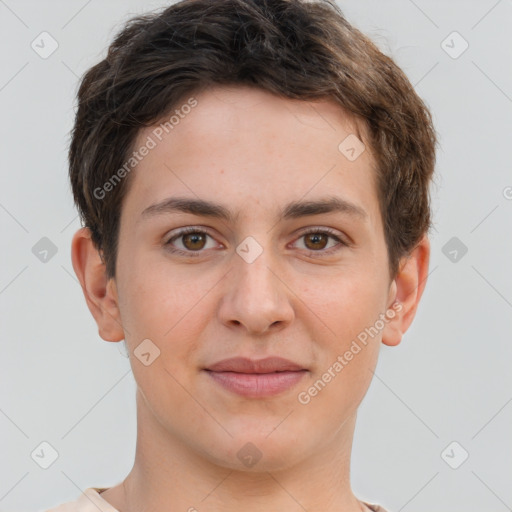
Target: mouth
[256,378]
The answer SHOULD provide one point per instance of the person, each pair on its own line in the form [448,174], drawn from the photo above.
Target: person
[253,182]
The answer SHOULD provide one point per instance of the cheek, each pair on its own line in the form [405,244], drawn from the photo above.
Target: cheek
[163,306]
[172,316]
[350,349]
[347,304]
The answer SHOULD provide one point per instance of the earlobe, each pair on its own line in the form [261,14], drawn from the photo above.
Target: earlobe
[100,293]
[406,291]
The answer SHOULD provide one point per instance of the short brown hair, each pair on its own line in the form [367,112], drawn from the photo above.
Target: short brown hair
[297,49]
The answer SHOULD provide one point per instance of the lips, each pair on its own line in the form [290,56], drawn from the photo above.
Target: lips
[245,365]
[256,378]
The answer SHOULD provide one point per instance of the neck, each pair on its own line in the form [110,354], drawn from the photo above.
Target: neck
[169,475]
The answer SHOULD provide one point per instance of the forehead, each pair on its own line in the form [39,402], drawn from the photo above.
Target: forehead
[246,142]
[225,114]
[241,106]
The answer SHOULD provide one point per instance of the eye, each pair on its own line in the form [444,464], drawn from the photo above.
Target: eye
[192,240]
[316,241]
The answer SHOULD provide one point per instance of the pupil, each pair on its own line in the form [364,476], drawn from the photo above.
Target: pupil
[194,238]
[316,239]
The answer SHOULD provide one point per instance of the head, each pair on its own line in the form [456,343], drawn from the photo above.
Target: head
[264,110]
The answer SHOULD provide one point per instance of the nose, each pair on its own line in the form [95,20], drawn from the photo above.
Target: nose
[256,296]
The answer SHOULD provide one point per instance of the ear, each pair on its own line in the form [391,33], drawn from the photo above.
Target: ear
[100,294]
[405,292]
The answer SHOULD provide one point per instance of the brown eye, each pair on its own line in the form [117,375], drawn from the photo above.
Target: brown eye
[190,242]
[194,241]
[316,241]
[321,242]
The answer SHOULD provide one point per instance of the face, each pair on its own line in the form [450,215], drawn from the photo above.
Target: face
[283,256]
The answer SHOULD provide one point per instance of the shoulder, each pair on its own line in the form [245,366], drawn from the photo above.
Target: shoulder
[89,501]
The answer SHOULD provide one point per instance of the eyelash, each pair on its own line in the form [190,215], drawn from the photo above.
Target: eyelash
[320,253]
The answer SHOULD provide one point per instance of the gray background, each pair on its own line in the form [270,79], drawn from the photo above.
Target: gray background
[449,380]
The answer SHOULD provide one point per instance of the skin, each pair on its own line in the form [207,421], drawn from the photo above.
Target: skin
[253,152]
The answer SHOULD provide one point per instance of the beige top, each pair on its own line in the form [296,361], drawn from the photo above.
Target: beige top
[91,501]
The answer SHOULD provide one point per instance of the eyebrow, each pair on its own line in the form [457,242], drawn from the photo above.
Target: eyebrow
[293,210]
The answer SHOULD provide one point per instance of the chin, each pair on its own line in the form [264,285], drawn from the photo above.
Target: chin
[256,451]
